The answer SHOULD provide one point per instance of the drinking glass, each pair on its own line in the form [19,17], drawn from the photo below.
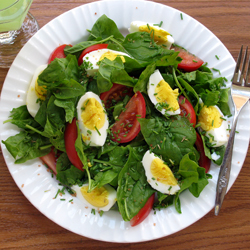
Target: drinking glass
[17,25]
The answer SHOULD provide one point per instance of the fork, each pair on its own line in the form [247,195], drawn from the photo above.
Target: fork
[240,96]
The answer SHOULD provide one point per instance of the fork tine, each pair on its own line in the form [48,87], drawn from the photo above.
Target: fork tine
[243,67]
[248,73]
[237,67]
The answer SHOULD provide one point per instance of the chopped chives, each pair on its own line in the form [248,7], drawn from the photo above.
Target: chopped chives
[216,70]
[217,57]
[181,16]
[97,130]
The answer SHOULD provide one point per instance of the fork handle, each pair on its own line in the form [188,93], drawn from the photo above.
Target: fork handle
[225,168]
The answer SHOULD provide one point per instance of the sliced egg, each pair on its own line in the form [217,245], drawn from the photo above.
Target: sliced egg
[160,35]
[215,124]
[93,58]
[92,119]
[162,95]
[159,175]
[100,198]
[35,92]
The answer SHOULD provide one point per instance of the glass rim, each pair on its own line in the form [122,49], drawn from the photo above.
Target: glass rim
[12,5]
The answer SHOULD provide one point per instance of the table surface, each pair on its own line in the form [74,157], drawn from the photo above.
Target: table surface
[23,226]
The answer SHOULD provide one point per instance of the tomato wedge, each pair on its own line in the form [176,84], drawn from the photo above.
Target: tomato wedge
[90,49]
[70,136]
[50,160]
[58,52]
[117,93]
[187,109]
[204,161]
[189,61]
[127,127]
[144,212]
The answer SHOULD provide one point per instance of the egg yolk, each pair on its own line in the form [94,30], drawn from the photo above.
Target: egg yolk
[209,118]
[98,197]
[162,173]
[93,115]
[40,91]
[159,35]
[165,94]
[111,56]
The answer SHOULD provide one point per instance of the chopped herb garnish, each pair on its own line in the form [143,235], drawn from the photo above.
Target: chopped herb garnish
[181,16]
[97,130]
[93,211]
[217,70]
[217,57]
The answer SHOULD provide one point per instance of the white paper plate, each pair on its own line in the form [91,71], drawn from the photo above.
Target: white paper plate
[36,183]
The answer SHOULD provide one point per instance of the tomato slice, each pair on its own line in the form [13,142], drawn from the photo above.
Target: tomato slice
[144,212]
[189,61]
[50,160]
[70,136]
[127,127]
[117,93]
[187,109]
[204,161]
[90,49]
[58,52]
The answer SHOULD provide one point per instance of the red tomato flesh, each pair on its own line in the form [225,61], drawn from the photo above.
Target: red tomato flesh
[90,49]
[70,137]
[189,61]
[50,160]
[58,52]
[204,161]
[144,212]
[187,109]
[117,93]
[127,127]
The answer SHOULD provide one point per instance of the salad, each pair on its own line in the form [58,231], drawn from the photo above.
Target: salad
[124,123]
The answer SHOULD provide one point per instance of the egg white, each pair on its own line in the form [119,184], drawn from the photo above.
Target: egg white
[111,197]
[154,79]
[219,136]
[161,187]
[31,98]
[135,26]
[91,59]
[95,139]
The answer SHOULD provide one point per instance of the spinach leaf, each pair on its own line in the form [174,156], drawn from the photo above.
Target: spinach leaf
[69,107]
[133,189]
[108,171]
[105,27]
[21,117]
[67,174]
[58,71]
[142,83]
[171,139]
[191,93]
[26,146]
[193,178]
[69,89]
[142,48]
[110,72]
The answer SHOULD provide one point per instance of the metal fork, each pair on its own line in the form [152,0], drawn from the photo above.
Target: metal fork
[240,96]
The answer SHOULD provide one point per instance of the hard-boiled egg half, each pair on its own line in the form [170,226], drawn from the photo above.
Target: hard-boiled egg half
[92,119]
[162,95]
[212,120]
[159,175]
[35,92]
[100,198]
[160,36]
[93,59]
